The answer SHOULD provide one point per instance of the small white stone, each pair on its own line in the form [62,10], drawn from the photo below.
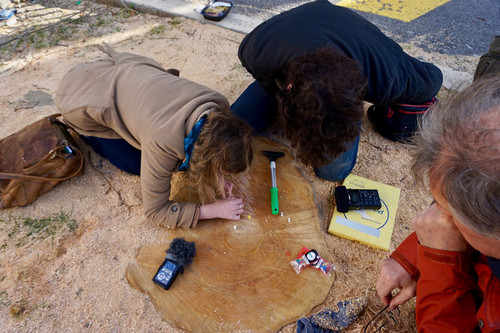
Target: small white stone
[234,227]
[281,214]
[289,220]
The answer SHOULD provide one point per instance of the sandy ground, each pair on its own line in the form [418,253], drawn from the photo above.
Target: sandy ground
[72,280]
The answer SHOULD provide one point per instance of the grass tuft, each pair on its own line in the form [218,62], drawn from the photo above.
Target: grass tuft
[4,299]
[24,230]
[157,30]
[176,21]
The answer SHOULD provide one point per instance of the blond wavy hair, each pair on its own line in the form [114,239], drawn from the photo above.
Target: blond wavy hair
[223,150]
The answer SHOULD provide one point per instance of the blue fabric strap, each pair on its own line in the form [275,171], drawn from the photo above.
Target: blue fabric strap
[190,141]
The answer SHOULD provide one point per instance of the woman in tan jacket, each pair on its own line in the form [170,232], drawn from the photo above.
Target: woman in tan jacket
[148,121]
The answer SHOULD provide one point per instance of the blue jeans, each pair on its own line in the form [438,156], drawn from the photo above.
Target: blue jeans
[342,166]
[256,107]
[259,109]
[118,151]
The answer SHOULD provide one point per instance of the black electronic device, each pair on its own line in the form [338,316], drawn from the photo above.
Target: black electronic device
[179,255]
[167,273]
[349,199]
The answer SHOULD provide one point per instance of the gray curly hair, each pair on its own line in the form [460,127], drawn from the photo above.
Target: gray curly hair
[458,147]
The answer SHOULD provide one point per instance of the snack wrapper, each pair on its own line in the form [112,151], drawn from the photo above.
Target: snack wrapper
[308,257]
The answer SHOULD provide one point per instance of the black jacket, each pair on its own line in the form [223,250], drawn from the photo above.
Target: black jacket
[393,75]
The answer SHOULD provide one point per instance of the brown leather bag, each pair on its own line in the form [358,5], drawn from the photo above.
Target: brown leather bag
[35,159]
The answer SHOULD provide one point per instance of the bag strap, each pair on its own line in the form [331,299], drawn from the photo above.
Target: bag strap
[57,115]
[5,175]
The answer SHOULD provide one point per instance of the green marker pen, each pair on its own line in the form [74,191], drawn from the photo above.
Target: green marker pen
[272,156]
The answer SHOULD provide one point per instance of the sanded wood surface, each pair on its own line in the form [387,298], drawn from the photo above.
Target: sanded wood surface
[241,278]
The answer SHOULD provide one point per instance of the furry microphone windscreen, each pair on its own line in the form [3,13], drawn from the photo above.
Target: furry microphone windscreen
[182,250]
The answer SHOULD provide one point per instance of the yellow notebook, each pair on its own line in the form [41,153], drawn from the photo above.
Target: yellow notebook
[370,227]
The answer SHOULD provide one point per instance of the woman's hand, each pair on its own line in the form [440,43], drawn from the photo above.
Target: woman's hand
[229,209]
[228,189]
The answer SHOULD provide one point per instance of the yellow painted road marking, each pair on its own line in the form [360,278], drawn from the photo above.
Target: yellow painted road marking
[403,10]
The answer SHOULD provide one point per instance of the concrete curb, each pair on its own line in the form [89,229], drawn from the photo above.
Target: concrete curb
[244,24]
[455,80]
[236,22]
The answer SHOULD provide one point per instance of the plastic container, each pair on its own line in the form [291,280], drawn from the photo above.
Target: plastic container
[216,10]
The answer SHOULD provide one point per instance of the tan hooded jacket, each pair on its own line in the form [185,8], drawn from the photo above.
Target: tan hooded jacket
[132,97]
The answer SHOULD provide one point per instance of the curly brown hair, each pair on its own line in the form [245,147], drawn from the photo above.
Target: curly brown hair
[321,106]
[223,150]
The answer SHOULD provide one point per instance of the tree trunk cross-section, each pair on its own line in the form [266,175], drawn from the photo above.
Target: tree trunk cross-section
[241,278]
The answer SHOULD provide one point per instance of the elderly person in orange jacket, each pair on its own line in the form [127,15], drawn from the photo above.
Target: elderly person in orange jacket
[149,121]
[452,261]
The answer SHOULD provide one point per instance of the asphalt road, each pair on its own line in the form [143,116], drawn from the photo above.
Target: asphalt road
[458,27]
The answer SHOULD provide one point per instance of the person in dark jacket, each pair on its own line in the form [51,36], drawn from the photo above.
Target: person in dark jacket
[314,66]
